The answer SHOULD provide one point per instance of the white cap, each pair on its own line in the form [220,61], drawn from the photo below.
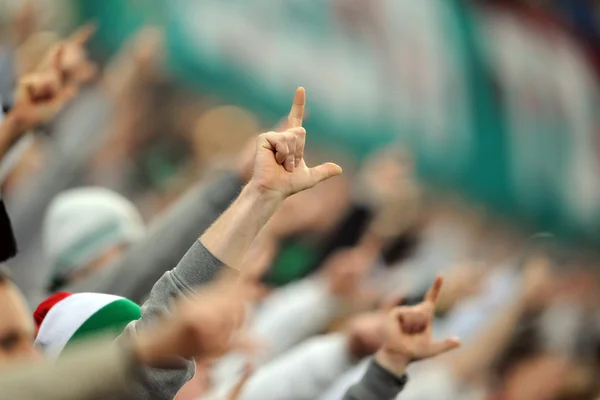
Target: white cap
[81,224]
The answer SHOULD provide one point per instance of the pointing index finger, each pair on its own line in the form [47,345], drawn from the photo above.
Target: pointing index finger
[82,35]
[297,112]
[57,64]
[434,292]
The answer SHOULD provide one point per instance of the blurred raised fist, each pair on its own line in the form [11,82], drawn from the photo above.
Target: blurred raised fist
[206,325]
[139,61]
[75,65]
[366,331]
[225,135]
[538,282]
[385,172]
[387,182]
[40,95]
[462,281]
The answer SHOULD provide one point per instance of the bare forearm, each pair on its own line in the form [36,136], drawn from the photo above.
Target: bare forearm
[480,353]
[8,133]
[230,236]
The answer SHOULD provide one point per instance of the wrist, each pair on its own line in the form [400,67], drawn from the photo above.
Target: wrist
[13,125]
[262,194]
[393,363]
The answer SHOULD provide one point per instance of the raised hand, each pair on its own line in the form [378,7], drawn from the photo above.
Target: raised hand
[205,326]
[463,280]
[40,95]
[279,166]
[75,66]
[408,337]
[538,286]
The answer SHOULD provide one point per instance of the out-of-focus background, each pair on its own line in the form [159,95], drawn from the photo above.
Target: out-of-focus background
[463,126]
[497,100]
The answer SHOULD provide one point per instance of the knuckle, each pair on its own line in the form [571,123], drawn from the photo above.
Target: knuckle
[289,136]
[268,134]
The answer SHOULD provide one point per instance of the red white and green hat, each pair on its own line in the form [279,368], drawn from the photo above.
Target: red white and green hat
[64,318]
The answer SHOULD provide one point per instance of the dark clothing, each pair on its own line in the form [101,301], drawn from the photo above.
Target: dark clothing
[376,384]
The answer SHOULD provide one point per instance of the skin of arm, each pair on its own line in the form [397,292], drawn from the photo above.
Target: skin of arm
[230,236]
[535,291]
[407,338]
[481,352]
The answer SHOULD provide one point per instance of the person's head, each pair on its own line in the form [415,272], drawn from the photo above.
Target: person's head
[85,229]
[222,131]
[16,325]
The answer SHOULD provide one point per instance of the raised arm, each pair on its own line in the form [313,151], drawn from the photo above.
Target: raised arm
[535,290]
[98,368]
[408,338]
[39,97]
[167,241]
[279,172]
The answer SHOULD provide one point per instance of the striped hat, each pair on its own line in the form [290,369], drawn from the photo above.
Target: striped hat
[64,318]
[81,224]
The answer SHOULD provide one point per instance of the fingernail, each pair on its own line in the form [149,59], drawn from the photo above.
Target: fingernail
[290,164]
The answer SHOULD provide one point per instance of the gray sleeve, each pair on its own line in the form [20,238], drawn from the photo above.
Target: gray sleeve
[376,384]
[197,267]
[167,241]
[7,75]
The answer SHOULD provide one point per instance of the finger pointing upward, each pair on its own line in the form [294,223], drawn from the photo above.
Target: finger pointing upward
[297,112]
[295,119]
[434,292]
[82,35]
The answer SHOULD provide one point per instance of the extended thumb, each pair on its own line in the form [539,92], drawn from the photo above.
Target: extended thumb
[324,171]
[443,346]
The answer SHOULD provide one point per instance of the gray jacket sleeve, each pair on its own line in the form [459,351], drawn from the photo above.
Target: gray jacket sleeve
[8,76]
[197,267]
[89,371]
[376,384]
[166,242]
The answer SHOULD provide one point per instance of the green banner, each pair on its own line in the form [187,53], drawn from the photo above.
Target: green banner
[490,105]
